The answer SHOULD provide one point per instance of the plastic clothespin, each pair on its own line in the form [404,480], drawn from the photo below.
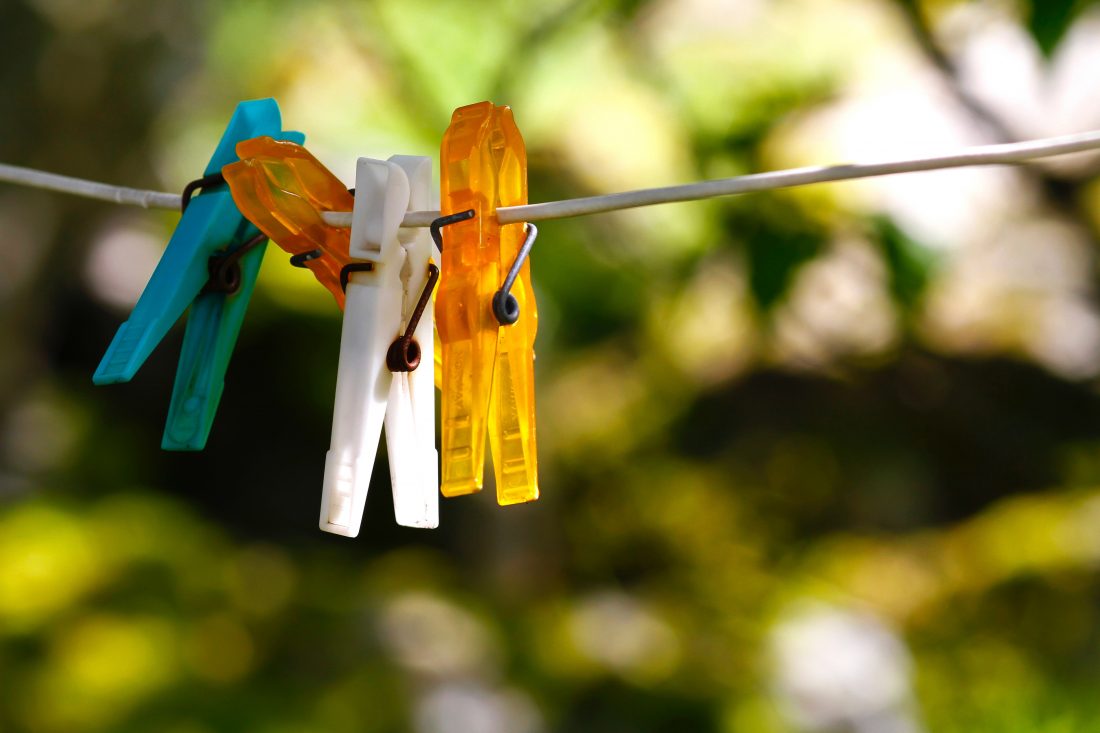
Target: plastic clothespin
[210,264]
[378,381]
[488,370]
[283,189]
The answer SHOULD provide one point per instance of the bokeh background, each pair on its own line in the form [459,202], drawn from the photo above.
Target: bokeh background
[825,459]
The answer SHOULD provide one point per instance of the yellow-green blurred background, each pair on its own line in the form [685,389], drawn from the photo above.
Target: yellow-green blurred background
[825,459]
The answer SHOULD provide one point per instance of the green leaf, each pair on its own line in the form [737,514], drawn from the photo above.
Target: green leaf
[1049,20]
[911,265]
[779,239]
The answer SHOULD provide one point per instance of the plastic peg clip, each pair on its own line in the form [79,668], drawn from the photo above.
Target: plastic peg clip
[385,289]
[205,250]
[487,369]
[283,190]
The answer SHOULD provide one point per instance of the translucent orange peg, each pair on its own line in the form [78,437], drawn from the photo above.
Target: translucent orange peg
[282,189]
[488,369]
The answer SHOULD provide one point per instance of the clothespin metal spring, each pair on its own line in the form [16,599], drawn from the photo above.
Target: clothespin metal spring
[225,269]
[443,221]
[404,353]
[210,181]
[346,270]
[300,260]
[505,305]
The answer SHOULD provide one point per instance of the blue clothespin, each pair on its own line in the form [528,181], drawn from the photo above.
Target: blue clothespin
[210,264]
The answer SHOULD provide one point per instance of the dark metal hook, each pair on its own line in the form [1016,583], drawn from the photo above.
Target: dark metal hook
[505,305]
[346,270]
[300,259]
[443,221]
[214,179]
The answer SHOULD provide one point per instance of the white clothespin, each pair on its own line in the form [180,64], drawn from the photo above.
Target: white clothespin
[381,298]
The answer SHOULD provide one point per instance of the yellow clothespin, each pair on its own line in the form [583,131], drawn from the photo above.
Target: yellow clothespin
[487,334]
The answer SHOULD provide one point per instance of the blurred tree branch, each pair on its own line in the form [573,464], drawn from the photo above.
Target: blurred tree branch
[1062,192]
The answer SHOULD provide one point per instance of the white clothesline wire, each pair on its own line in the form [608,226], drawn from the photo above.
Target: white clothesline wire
[88,189]
[1004,154]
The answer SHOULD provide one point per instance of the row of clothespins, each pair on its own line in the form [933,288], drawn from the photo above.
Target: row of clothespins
[477,331]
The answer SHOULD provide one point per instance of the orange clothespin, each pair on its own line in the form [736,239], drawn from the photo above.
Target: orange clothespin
[487,346]
[283,190]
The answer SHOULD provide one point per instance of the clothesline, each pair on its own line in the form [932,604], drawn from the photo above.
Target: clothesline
[1003,154]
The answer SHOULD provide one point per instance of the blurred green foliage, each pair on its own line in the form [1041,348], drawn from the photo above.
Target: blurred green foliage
[1049,20]
[808,463]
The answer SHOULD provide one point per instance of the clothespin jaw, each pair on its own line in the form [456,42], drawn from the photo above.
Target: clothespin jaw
[283,190]
[512,408]
[488,370]
[210,225]
[467,330]
[410,415]
[372,320]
